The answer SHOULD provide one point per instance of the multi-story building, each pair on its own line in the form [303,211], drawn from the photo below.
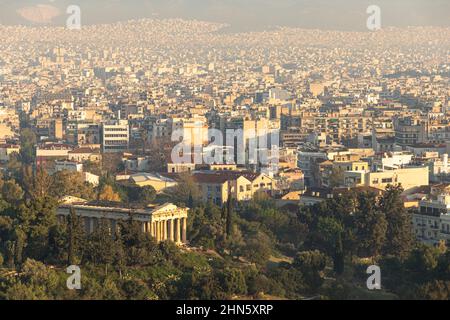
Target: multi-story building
[391,160]
[115,136]
[47,153]
[218,186]
[410,131]
[432,220]
[307,162]
[408,178]
[6,150]
[439,169]
[57,129]
[255,137]
[85,154]
[68,166]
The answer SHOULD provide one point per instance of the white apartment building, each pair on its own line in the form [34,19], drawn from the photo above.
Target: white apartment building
[6,150]
[432,221]
[439,168]
[305,163]
[115,136]
[392,160]
[69,166]
[408,178]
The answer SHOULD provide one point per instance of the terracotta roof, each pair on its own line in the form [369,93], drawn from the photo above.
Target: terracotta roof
[358,190]
[222,176]
[9,146]
[85,150]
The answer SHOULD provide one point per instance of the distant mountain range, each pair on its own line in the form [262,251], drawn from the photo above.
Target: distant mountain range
[243,15]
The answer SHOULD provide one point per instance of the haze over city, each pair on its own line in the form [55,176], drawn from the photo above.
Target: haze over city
[242,150]
[242,15]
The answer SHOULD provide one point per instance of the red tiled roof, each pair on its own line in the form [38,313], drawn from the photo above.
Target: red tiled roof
[222,176]
[84,150]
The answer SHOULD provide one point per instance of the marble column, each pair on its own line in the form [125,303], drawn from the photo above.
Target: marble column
[164,223]
[171,236]
[183,231]
[158,231]
[177,231]
[161,224]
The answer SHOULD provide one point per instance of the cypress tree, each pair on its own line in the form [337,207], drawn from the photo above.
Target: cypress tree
[339,256]
[71,247]
[229,220]
[399,237]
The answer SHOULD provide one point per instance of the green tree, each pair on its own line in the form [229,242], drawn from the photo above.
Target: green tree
[57,244]
[229,217]
[370,226]
[67,183]
[141,195]
[107,193]
[12,192]
[435,290]
[19,245]
[336,177]
[186,191]
[76,238]
[399,237]
[233,282]
[339,256]
[135,290]
[100,245]
[37,213]
[312,265]
[27,145]
[140,248]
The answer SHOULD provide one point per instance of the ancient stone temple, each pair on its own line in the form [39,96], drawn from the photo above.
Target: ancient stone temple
[165,222]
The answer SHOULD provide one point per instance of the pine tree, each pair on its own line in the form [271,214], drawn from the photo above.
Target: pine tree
[101,245]
[120,257]
[20,239]
[370,226]
[72,229]
[190,200]
[339,256]
[229,219]
[399,237]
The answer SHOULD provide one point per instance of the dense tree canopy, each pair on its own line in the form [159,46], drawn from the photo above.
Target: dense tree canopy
[250,249]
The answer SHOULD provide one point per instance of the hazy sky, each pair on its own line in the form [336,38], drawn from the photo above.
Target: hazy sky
[241,14]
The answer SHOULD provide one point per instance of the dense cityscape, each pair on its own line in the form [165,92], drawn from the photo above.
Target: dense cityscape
[105,134]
